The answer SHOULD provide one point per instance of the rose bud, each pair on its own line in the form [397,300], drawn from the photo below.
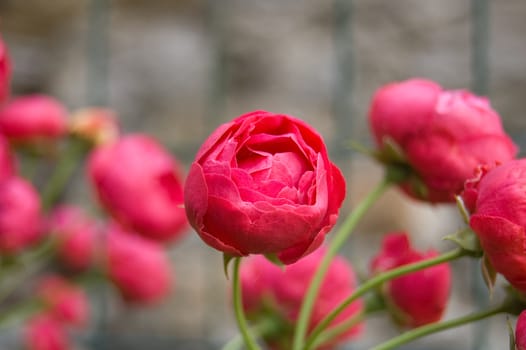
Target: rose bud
[20,215]
[269,289]
[138,267]
[520,332]
[140,184]
[5,71]
[440,136]
[263,184]
[497,201]
[95,125]
[417,298]
[33,119]
[76,236]
[43,332]
[65,301]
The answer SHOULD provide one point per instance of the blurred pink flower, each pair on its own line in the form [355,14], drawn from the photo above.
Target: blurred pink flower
[33,118]
[20,215]
[5,72]
[43,332]
[76,234]
[63,300]
[417,298]
[138,267]
[443,135]
[140,184]
[267,288]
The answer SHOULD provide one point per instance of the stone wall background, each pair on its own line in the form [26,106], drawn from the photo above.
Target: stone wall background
[176,69]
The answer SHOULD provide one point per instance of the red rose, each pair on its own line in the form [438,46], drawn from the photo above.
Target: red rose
[263,184]
[5,71]
[20,215]
[443,135]
[497,201]
[140,184]
[280,291]
[33,118]
[417,298]
[520,332]
[138,267]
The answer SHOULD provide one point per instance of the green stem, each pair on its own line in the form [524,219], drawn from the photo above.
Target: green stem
[267,326]
[339,239]
[377,280]
[440,326]
[238,308]
[64,170]
[333,332]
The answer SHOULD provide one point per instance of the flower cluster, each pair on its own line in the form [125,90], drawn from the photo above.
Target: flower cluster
[263,191]
[135,181]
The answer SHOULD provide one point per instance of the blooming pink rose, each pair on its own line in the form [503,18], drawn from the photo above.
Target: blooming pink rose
[63,300]
[33,118]
[43,332]
[497,201]
[443,135]
[140,184]
[417,298]
[138,267]
[520,332]
[76,235]
[280,291]
[263,184]
[20,215]
[5,71]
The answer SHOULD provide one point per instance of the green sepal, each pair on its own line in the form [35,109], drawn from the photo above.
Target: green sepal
[273,258]
[467,240]
[511,334]
[488,274]
[227,258]
[391,152]
[462,209]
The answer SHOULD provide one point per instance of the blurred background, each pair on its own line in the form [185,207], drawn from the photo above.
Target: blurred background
[176,69]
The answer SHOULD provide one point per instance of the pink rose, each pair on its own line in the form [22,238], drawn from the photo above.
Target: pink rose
[417,298]
[76,236]
[20,215]
[5,72]
[138,267]
[497,201]
[443,135]
[43,332]
[63,300]
[140,184]
[520,332]
[263,184]
[33,118]
[280,291]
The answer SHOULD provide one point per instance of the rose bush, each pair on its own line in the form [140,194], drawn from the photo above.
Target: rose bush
[271,291]
[263,184]
[497,201]
[417,298]
[443,135]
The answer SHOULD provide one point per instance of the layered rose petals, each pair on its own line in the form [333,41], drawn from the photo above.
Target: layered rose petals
[263,184]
